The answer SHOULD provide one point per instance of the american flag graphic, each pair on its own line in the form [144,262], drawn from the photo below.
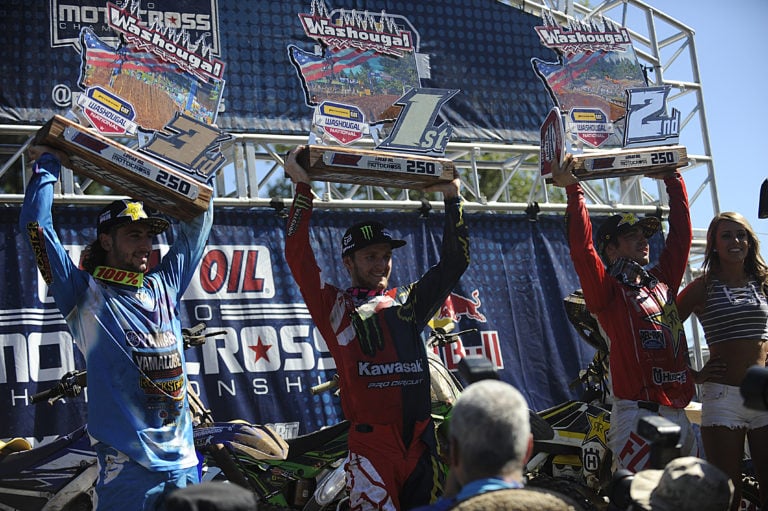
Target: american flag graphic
[313,67]
[128,58]
[560,75]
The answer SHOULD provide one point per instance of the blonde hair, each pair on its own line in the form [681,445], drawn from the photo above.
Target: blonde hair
[754,265]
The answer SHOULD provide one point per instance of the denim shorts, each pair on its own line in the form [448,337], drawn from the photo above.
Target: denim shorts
[722,405]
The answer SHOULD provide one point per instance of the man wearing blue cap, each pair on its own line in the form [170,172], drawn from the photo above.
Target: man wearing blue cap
[125,319]
[374,336]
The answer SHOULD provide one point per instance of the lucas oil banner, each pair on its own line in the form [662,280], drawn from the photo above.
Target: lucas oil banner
[261,366]
[262,65]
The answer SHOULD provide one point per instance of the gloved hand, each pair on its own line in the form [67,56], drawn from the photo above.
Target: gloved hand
[369,335]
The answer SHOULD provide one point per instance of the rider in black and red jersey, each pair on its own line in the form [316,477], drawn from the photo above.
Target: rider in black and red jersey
[636,308]
[374,336]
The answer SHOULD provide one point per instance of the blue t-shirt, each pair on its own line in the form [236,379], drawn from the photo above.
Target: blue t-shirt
[470,490]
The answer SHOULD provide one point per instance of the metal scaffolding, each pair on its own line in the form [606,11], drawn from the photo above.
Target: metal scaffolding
[666,49]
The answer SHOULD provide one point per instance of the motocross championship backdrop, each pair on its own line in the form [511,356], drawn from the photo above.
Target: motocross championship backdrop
[255,50]
[262,67]
[268,353]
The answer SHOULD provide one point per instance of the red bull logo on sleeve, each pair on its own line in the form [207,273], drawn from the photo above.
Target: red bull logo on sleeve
[457,307]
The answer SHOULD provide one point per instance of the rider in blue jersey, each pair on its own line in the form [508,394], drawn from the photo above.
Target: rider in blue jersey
[126,322]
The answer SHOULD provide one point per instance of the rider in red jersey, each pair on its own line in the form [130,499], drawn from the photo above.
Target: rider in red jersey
[374,336]
[636,309]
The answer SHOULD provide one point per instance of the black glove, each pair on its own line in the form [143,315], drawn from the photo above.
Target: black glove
[369,334]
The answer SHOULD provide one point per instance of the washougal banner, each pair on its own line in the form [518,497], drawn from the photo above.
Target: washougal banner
[268,354]
[262,66]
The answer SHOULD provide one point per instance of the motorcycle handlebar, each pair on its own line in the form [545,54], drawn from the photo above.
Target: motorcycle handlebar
[196,335]
[70,385]
[327,386]
[440,337]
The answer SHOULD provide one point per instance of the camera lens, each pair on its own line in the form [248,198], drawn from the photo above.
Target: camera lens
[754,388]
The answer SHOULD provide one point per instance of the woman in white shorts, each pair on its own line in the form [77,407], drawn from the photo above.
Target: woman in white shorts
[729,300]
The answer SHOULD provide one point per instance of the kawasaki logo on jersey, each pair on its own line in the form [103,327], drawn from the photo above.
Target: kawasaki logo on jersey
[369,369]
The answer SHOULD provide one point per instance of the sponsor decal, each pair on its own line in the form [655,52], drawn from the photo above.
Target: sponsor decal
[159,365]
[668,319]
[591,125]
[598,428]
[652,340]
[457,306]
[143,340]
[234,271]
[130,278]
[343,123]
[489,347]
[373,369]
[660,376]
[37,240]
[107,112]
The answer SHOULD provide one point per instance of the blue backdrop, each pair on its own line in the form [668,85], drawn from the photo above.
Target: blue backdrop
[481,47]
[262,366]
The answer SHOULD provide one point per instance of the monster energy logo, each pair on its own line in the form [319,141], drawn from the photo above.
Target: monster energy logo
[366,231]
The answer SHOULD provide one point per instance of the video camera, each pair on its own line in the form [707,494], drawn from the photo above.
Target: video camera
[664,438]
[754,388]
[475,368]
[663,435]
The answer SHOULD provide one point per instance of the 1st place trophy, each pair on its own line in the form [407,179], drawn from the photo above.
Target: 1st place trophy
[351,94]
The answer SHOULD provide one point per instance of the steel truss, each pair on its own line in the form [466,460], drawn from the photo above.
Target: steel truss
[665,48]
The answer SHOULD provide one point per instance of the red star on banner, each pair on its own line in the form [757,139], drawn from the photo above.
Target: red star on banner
[260,349]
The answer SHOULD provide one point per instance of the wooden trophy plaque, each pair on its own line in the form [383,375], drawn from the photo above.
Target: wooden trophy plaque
[378,168]
[126,170]
[628,162]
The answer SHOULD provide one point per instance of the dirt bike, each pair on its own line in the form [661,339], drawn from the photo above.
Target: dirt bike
[312,477]
[570,438]
[301,479]
[61,475]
